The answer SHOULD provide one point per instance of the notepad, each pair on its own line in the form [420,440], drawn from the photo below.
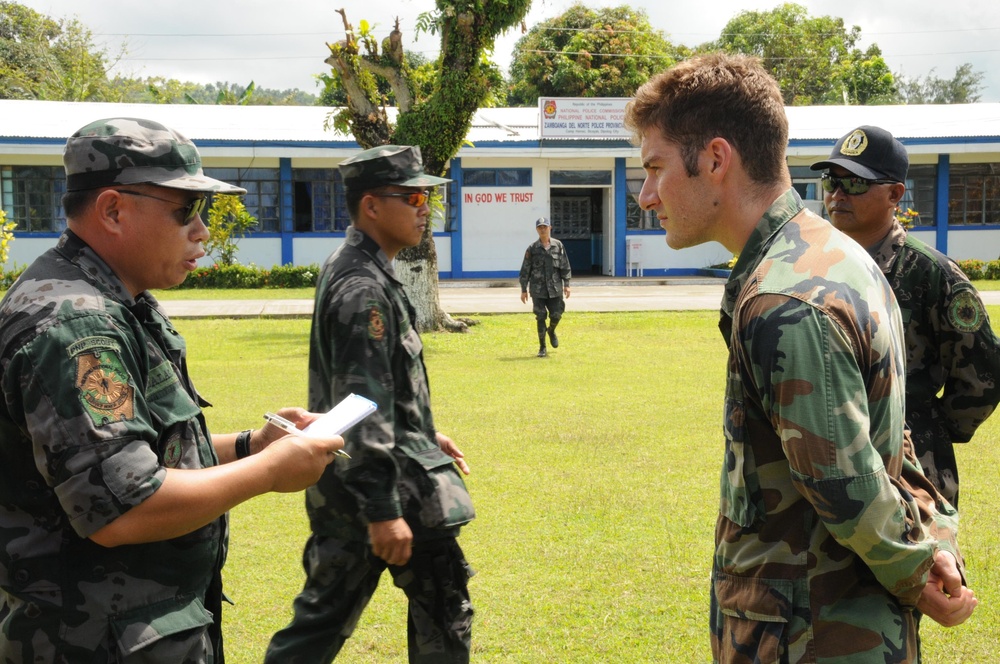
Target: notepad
[341,417]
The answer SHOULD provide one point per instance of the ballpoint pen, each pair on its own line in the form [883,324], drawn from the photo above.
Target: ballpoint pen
[282,423]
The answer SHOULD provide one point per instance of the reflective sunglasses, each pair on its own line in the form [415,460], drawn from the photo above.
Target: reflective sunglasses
[850,185]
[412,198]
[191,210]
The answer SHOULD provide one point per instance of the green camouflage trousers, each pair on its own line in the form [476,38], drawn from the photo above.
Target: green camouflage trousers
[341,577]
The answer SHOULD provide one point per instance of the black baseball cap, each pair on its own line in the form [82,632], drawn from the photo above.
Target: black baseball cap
[871,153]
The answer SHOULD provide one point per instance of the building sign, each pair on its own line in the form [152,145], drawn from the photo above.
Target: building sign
[583,117]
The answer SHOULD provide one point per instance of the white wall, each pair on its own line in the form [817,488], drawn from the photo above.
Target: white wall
[984,245]
[657,255]
[262,252]
[24,250]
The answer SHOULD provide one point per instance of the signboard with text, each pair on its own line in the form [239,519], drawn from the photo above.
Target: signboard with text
[583,117]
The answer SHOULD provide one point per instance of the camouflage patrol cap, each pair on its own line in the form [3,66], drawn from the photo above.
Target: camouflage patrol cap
[384,165]
[134,151]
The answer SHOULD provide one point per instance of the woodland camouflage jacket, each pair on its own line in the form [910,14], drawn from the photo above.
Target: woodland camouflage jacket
[820,552]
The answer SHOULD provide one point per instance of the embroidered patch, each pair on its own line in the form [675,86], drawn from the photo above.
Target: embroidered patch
[376,324]
[172,452]
[854,144]
[966,312]
[104,387]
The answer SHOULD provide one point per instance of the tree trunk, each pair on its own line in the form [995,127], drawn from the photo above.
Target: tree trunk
[417,268]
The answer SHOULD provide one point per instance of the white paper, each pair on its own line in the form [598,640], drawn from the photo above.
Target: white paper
[342,417]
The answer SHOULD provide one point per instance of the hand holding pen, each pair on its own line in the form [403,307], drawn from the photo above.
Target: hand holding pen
[288,427]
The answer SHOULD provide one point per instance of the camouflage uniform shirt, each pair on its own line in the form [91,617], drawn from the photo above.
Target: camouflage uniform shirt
[97,404]
[820,554]
[363,341]
[546,271]
[952,354]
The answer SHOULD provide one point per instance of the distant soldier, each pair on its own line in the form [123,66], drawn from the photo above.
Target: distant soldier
[952,354]
[546,269]
[819,552]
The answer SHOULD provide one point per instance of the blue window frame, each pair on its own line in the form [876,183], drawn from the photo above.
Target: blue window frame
[319,201]
[262,198]
[496,177]
[32,197]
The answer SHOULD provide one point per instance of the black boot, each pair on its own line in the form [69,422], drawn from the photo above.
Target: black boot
[541,338]
[553,339]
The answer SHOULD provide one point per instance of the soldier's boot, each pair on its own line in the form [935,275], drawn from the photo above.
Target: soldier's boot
[541,338]
[553,339]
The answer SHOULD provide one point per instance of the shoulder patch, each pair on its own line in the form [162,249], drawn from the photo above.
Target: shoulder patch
[104,386]
[376,321]
[966,313]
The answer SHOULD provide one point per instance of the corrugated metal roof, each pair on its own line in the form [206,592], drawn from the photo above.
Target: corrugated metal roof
[493,129]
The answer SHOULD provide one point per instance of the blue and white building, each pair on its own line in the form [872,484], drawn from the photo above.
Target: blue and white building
[513,170]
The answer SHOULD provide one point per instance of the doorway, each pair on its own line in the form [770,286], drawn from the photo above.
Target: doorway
[577,216]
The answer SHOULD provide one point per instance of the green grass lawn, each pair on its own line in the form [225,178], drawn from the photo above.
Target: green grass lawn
[595,477]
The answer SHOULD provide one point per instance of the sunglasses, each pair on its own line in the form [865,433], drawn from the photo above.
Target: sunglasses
[412,198]
[851,185]
[191,210]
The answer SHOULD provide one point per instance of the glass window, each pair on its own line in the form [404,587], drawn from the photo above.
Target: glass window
[32,197]
[496,177]
[580,177]
[921,185]
[319,203]
[974,194]
[635,217]
[262,198]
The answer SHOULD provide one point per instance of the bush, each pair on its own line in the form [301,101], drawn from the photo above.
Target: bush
[973,268]
[293,276]
[8,277]
[251,276]
[992,270]
[226,276]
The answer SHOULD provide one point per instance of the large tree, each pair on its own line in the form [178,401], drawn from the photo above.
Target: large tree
[438,122]
[584,52]
[41,58]
[963,88]
[814,59]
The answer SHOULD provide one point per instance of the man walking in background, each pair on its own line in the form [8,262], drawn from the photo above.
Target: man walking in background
[545,269]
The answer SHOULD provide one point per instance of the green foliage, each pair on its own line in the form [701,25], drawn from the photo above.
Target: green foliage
[251,277]
[292,276]
[41,58]
[6,236]
[963,88]
[972,267]
[228,221]
[992,270]
[606,52]
[814,59]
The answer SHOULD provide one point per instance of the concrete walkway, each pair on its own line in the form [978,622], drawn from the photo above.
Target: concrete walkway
[504,296]
[497,296]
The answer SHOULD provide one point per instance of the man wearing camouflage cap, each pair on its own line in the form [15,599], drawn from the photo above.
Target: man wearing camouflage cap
[400,501]
[113,508]
[952,354]
[546,270]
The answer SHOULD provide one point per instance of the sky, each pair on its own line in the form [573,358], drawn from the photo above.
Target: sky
[281,44]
